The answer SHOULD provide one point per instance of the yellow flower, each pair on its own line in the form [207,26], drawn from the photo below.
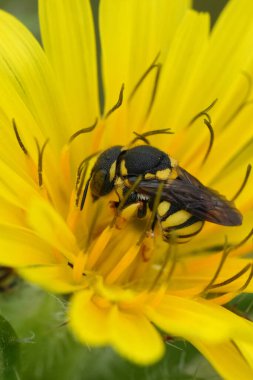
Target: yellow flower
[126,281]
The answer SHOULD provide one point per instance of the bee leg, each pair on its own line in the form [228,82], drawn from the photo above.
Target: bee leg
[132,199]
[114,204]
[142,210]
[154,224]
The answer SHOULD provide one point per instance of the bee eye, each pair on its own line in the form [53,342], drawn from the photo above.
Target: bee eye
[100,184]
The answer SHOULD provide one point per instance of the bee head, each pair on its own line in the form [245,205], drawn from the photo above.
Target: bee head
[104,172]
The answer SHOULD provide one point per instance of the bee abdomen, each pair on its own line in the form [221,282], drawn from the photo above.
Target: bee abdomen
[177,225]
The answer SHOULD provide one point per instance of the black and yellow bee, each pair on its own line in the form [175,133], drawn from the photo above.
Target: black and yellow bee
[184,202]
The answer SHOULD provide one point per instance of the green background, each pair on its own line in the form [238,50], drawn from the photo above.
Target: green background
[26,10]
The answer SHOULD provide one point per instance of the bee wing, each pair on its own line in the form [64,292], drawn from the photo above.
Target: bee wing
[189,194]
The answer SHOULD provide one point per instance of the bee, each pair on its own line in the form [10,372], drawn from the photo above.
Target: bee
[184,204]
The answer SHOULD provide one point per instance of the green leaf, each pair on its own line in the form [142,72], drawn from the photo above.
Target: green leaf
[9,351]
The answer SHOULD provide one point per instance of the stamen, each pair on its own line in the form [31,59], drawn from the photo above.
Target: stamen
[123,264]
[118,104]
[208,123]
[153,66]
[210,128]
[224,256]
[167,258]
[250,234]
[247,282]
[203,113]
[40,160]
[19,138]
[244,183]
[245,102]
[83,130]
[226,251]
[142,136]
[139,137]
[154,91]
[99,246]
[81,174]
[233,278]
[78,266]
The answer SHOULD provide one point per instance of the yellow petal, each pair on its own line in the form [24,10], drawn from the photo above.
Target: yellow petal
[229,47]
[15,189]
[199,320]
[69,41]
[171,108]
[132,34]
[49,225]
[226,359]
[87,320]
[19,247]
[134,337]
[198,272]
[246,350]
[28,91]
[57,279]
[129,333]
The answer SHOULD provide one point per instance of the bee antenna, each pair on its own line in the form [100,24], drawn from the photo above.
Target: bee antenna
[85,193]
[81,174]
[118,104]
